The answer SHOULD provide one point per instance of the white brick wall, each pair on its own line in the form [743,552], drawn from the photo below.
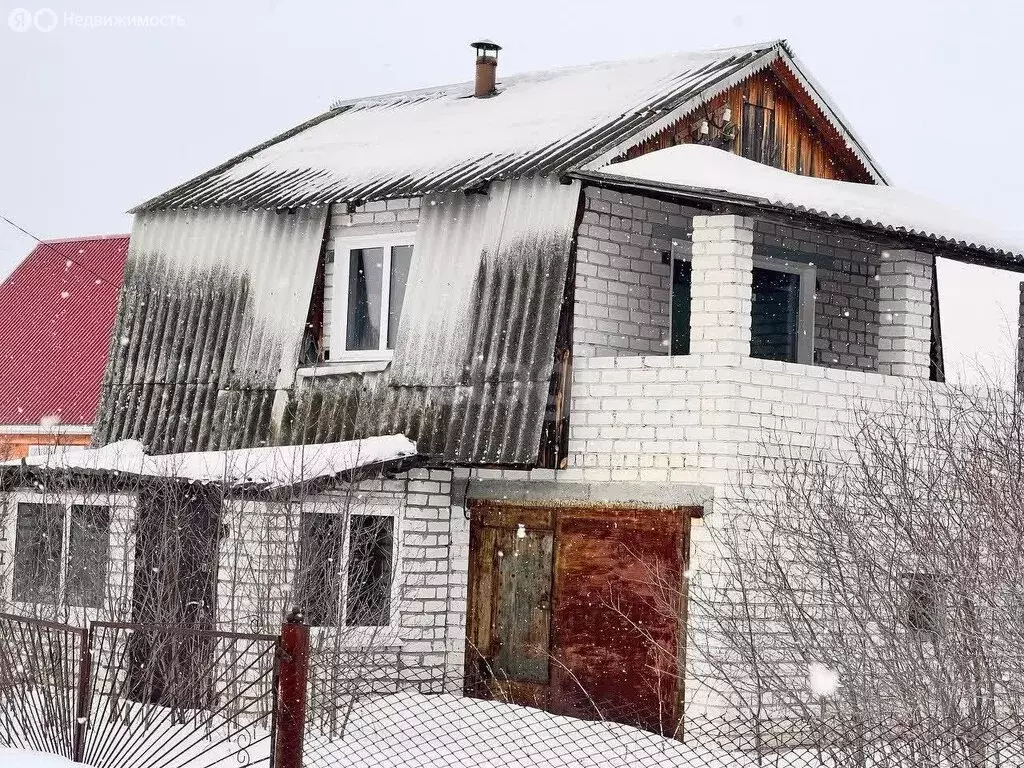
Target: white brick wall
[722,261]
[258,561]
[693,426]
[623,286]
[846,306]
[904,334]
[702,420]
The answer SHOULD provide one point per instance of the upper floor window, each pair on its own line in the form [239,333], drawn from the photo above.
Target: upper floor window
[758,136]
[781,312]
[60,554]
[346,568]
[364,294]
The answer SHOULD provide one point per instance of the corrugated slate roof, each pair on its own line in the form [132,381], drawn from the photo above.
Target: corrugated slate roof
[540,123]
[56,312]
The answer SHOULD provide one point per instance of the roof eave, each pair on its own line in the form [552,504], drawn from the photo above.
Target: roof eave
[172,193]
[652,129]
[720,200]
[832,114]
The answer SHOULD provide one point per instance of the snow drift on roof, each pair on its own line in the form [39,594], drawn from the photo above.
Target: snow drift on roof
[270,466]
[699,168]
[407,144]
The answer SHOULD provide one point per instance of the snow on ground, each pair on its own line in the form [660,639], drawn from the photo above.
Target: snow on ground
[20,758]
[448,731]
[407,730]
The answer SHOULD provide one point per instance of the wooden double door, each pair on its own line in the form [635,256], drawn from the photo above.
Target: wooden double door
[579,610]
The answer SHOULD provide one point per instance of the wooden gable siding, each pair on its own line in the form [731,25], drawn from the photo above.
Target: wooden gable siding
[805,142]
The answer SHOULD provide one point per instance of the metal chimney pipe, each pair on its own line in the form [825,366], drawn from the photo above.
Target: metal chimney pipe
[486,68]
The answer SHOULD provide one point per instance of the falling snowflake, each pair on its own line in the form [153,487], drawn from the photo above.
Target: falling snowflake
[521,531]
[821,680]
[64,294]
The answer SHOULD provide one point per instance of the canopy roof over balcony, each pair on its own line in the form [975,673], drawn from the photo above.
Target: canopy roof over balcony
[731,183]
[266,467]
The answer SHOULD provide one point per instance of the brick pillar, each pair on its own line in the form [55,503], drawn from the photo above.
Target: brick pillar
[905,309]
[723,260]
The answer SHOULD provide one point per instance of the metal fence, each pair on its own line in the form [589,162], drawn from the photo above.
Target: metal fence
[130,696]
[40,694]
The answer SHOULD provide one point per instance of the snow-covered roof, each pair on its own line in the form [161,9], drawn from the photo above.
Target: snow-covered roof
[549,122]
[706,171]
[265,467]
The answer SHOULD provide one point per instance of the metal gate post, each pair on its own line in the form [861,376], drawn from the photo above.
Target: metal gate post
[82,703]
[293,673]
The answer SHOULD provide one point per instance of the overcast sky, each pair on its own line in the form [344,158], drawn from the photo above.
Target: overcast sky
[96,119]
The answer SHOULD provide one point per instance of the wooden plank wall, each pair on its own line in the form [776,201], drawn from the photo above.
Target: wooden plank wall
[806,142]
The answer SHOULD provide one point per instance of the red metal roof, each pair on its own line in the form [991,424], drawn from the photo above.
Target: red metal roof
[56,313]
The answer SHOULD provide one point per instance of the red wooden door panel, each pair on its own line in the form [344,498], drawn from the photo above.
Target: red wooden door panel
[618,618]
[579,610]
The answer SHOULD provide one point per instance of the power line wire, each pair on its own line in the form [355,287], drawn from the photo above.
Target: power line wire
[101,279]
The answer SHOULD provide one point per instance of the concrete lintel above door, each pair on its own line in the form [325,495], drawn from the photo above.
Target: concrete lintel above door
[632,494]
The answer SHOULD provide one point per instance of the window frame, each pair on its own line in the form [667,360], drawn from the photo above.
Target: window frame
[120,553]
[339,306]
[805,307]
[361,635]
[766,144]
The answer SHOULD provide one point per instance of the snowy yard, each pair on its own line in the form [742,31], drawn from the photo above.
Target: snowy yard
[410,729]
[444,731]
[447,731]
[20,758]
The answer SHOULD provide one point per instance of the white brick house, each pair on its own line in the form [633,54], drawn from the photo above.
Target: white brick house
[586,338]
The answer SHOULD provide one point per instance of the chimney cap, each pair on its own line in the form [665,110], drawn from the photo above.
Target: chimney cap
[484,46]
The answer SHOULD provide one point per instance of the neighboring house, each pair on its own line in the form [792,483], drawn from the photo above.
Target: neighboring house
[56,312]
[583,294]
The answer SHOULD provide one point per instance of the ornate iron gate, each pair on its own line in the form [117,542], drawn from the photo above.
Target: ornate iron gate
[133,696]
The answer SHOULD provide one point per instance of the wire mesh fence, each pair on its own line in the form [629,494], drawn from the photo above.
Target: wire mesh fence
[445,730]
[431,730]
[132,696]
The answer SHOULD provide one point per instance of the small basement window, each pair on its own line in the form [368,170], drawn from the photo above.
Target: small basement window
[926,603]
[346,569]
[60,554]
[781,313]
[364,294]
